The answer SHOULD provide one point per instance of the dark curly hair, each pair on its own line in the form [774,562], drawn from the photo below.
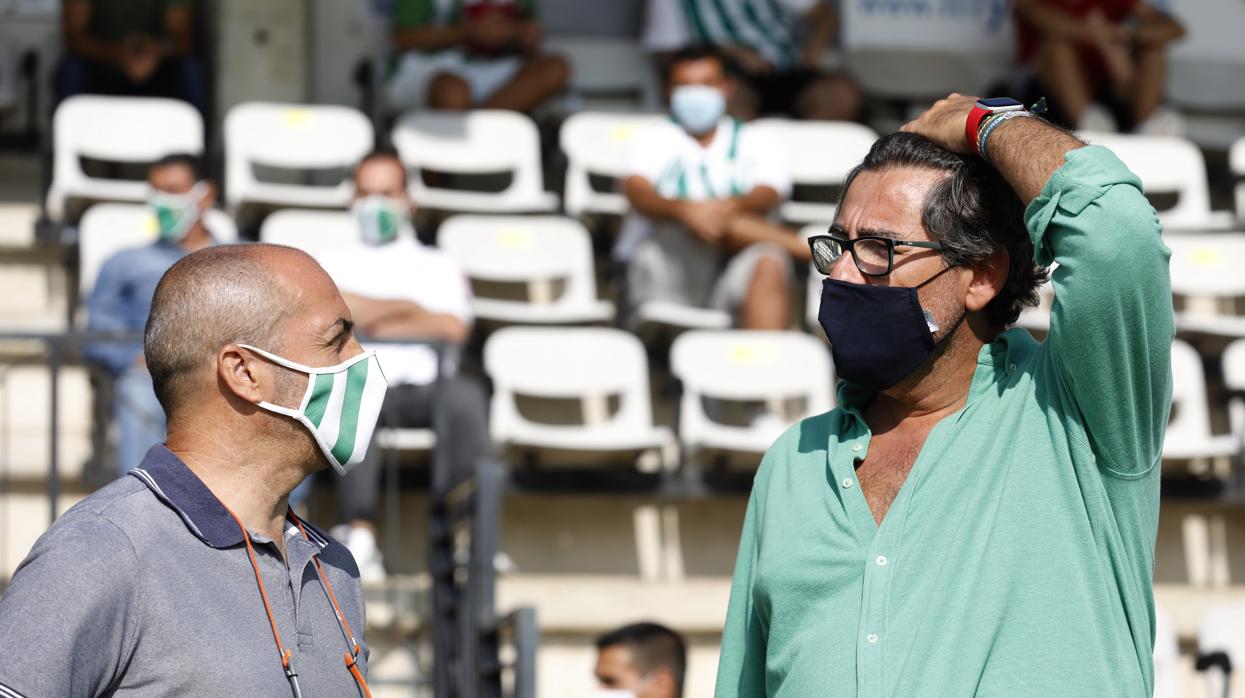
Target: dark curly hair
[973,212]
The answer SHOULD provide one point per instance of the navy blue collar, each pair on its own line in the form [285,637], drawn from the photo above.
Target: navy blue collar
[182,491]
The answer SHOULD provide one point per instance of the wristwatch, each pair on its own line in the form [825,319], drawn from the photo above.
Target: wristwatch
[981,110]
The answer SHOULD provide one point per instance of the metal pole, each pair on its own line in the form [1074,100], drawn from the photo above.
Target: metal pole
[54,478]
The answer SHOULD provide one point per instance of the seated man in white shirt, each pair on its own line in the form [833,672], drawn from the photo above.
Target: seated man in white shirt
[397,287]
[701,189]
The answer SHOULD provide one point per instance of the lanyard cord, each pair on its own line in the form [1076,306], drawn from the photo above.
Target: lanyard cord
[351,664]
[290,674]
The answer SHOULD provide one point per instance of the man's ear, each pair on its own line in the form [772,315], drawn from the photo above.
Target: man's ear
[243,374]
[988,280]
[662,683]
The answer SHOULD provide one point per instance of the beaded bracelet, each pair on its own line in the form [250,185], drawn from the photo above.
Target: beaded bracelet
[984,136]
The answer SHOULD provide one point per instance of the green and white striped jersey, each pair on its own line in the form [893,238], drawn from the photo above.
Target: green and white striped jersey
[766,26]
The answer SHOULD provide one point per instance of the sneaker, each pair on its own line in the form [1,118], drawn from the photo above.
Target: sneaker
[361,543]
[1165,121]
[1095,117]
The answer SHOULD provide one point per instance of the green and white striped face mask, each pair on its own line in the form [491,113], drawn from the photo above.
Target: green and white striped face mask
[340,407]
[380,218]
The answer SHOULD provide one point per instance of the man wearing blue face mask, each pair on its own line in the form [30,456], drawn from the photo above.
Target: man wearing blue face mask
[396,287]
[978,516]
[121,298]
[700,191]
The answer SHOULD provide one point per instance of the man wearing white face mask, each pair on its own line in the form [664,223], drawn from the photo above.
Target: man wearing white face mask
[700,191]
[397,288]
[121,298]
[192,576]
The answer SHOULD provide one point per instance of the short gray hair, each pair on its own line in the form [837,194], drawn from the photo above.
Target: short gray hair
[209,298]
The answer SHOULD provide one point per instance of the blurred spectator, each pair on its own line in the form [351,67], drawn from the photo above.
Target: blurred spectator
[121,299]
[459,54]
[781,74]
[1101,63]
[644,660]
[132,48]
[700,188]
[398,288]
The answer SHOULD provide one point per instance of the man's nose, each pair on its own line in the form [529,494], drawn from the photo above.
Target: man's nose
[844,269]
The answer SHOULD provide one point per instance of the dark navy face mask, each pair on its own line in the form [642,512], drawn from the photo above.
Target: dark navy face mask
[878,334]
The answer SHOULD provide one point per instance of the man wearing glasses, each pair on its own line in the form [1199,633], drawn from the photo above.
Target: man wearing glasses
[978,516]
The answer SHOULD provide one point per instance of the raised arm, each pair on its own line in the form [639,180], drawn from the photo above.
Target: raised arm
[1111,324]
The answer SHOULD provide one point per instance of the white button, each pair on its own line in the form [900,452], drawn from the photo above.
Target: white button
[857,448]
[1011,367]
[847,483]
[881,560]
[872,639]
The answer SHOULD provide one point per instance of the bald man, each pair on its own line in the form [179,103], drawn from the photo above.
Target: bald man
[192,576]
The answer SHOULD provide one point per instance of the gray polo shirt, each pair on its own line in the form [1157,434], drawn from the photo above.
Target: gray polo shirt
[144,589]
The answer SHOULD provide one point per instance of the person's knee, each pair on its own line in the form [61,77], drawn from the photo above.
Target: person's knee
[450,92]
[769,273]
[833,97]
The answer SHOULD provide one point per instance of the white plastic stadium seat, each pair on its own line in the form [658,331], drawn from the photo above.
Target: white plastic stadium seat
[474,142]
[115,129]
[540,251]
[818,153]
[1236,163]
[1206,272]
[310,231]
[608,73]
[587,363]
[106,229]
[1168,165]
[597,143]
[292,137]
[1221,630]
[741,365]
[1189,434]
[1234,381]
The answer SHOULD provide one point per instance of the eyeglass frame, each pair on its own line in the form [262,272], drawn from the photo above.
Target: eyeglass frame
[850,244]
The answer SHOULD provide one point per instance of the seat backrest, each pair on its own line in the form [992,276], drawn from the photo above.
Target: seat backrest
[106,229]
[753,365]
[744,365]
[1190,419]
[1166,165]
[1236,164]
[524,249]
[597,143]
[473,142]
[116,129]
[1234,381]
[293,137]
[313,232]
[568,363]
[819,152]
[1208,264]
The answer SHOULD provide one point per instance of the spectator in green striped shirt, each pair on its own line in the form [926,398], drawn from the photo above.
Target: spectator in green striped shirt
[778,46]
[460,54]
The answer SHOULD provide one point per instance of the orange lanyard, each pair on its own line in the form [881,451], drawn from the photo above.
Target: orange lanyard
[351,664]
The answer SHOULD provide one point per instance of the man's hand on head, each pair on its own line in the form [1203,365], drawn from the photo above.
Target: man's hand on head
[943,123]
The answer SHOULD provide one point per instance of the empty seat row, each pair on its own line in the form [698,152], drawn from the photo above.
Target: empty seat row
[316,138]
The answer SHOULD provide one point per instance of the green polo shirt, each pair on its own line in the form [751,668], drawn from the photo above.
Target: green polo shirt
[1016,560]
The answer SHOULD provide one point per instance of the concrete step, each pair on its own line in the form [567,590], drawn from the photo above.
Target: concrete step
[17,222]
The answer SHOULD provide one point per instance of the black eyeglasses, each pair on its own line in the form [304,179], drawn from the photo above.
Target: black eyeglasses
[874,255]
